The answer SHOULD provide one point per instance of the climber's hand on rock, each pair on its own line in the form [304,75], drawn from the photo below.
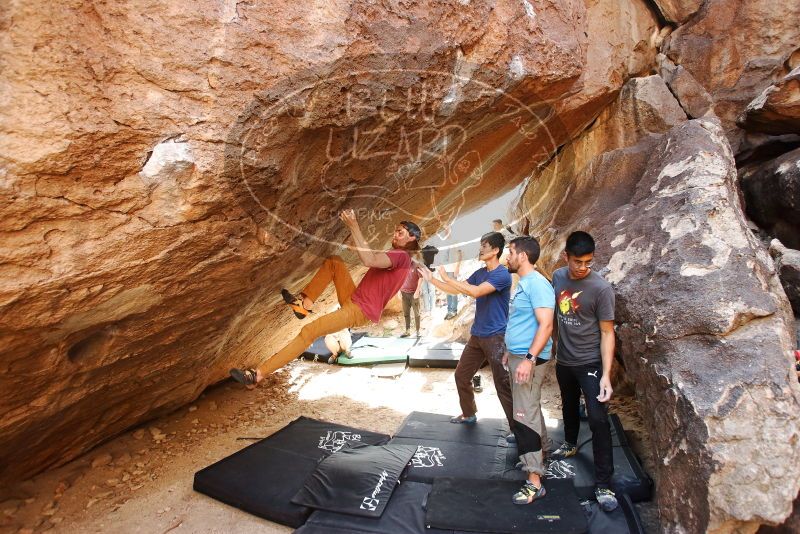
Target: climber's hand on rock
[348,217]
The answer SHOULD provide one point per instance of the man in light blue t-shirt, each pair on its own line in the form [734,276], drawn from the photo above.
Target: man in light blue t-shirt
[530,324]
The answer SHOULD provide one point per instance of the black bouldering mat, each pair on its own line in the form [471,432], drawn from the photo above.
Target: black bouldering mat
[624,520]
[486,506]
[319,352]
[629,477]
[437,353]
[357,480]
[437,427]
[261,481]
[317,439]
[404,514]
[452,459]
[262,478]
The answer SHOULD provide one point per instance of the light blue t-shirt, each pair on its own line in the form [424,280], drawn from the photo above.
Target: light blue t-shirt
[533,291]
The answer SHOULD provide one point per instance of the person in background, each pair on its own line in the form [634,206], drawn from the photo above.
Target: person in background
[428,293]
[410,296]
[454,258]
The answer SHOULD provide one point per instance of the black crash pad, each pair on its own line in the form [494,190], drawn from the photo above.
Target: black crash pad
[318,439]
[437,353]
[405,513]
[357,480]
[624,520]
[486,506]
[452,459]
[628,478]
[262,479]
[437,427]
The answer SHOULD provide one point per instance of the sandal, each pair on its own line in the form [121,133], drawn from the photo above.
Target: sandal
[295,303]
[247,377]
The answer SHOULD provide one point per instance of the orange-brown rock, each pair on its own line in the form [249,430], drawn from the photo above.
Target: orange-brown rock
[167,167]
[703,327]
[735,49]
[776,110]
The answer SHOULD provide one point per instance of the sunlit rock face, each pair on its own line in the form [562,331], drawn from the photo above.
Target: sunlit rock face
[735,49]
[703,324]
[166,170]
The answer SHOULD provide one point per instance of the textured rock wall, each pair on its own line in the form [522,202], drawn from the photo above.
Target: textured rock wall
[167,168]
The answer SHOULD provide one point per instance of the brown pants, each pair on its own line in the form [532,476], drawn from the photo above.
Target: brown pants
[349,315]
[477,351]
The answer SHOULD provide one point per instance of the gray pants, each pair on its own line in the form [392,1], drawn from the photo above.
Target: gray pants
[410,302]
[530,430]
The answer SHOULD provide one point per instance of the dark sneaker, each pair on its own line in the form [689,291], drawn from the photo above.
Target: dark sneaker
[295,303]
[564,451]
[460,419]
[528,493]
[333,358]
[476,383]
[606,499]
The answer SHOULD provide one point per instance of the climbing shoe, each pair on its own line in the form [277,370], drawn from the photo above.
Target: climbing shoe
[295,303]
[460,419]
[528,493]
[606,499]
[564,451]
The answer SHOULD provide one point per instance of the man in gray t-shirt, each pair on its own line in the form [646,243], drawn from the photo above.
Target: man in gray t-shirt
[584,355]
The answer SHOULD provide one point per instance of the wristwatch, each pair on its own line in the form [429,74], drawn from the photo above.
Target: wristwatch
[530,357]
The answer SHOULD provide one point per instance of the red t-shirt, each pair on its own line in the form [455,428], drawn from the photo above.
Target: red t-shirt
[410,284]
[380,285]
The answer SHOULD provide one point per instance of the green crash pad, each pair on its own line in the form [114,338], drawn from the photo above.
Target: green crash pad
[372,350]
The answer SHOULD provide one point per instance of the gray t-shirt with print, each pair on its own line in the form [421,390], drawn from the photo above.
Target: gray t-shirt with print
[580,305]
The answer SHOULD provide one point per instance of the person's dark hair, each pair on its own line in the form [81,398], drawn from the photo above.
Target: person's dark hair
[579,244]
[428,254]
[498,221]
[529,245]
[495,240]
[414,230]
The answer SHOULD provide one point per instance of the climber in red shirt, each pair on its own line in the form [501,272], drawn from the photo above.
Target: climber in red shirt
[359,305]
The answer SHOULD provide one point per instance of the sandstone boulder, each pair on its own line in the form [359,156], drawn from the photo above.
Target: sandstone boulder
[167,169]
[704,329]
[718,378]
[735,49]
[777,109]
[771,193]
[787,262]
[598,171]
[678,11]
[693,98]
